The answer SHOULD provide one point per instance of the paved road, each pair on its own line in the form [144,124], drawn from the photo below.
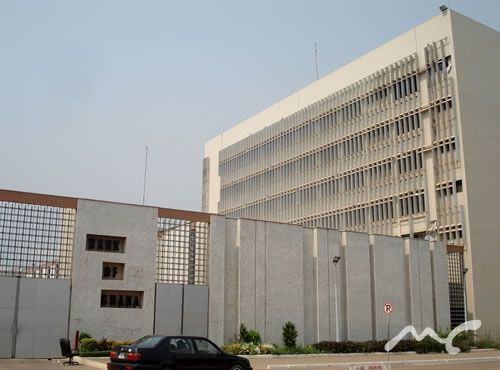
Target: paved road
[16,364]
[479,366]
[259,363]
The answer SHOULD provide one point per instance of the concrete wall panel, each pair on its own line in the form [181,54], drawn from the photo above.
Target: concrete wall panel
[334,286]
[8,287]
[260,278]
[231,270]
[323,262]
[284,280]
[389,276]
[441,293]
[310,287]
[246,278]
[420,284]
[357,263]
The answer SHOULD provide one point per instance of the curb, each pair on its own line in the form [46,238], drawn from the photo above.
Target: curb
[329,355]
[387,365]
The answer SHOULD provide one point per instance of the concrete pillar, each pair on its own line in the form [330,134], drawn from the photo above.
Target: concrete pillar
[216,278]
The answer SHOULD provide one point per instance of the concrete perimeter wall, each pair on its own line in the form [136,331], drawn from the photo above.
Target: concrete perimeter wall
[263,274]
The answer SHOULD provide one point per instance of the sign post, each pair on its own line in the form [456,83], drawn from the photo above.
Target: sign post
[388,310]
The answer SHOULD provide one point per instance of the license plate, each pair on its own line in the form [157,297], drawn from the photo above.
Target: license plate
[121,356]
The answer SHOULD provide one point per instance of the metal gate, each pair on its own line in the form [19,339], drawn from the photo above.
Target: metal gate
[36,244]
[181,309]
[456,284]
[34,315]
[181,300]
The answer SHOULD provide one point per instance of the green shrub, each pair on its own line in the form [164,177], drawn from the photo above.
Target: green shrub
[428,345]
[407,345]
[84,335]
[297,350]
[253,336]
[249,336]
[487,342]
[363,347]
[289,334]
[464,341]
[89,345]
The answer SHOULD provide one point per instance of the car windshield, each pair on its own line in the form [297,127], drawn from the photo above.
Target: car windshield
[147,342]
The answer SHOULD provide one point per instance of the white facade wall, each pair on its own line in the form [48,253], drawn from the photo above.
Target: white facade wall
[477,49]
[408,43]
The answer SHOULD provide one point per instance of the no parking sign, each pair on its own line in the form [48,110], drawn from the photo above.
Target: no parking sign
[388,308]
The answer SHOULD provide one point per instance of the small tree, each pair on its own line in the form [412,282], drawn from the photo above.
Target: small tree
[243,337]
[289,335]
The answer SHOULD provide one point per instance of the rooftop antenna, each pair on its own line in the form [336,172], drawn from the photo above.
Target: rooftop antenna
[316,57]
[145,171]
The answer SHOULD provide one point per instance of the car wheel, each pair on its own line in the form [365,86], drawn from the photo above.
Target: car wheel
[237,367]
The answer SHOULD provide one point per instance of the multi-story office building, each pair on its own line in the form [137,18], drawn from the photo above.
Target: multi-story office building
[403,141]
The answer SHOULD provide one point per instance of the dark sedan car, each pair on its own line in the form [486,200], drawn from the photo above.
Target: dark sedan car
[158,352]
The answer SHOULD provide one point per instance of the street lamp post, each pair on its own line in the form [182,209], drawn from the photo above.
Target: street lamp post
[465,293]
[335,261]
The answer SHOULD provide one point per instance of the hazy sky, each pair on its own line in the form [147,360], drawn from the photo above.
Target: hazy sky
[86,85]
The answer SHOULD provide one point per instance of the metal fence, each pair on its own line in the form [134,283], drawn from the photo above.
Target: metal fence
[36,241]
[182,256]
[37,235]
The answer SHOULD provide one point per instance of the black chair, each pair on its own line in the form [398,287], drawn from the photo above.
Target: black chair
[66,351]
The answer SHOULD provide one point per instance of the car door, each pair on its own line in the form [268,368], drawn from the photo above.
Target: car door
[208,354]
[183,353]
